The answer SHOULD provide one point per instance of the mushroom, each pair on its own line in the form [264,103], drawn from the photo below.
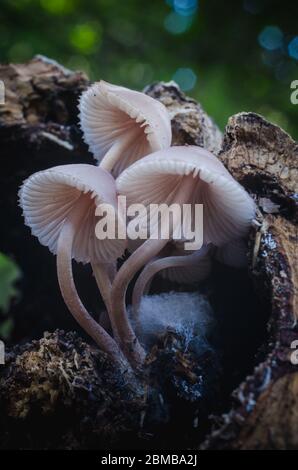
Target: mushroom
[121,125]
[178,266]
[181,175]
[59,206]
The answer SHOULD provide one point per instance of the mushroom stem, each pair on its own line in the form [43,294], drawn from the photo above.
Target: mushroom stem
[104,276]
[103,281]
[67,285]
[128,341]
[155,266]
[150,248]
[120,145]
[147,287]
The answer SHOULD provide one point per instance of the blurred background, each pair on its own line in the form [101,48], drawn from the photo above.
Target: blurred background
[229,55]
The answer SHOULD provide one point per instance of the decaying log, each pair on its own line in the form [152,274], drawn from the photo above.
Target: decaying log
[264,159]
[59,393]
[273,424]
[38,123]
[40,101]
[191,125]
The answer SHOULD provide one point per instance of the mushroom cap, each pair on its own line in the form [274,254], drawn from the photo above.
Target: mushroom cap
[228,209]
[48,196]
[107,112]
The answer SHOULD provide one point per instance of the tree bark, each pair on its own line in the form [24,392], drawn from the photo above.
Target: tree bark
[264,159]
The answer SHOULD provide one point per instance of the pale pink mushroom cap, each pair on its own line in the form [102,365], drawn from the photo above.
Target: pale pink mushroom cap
[109,112]
[47,197]
[228,209]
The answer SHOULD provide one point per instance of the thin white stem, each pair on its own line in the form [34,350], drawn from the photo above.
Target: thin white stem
[128,341]
[120,145]
[158,265]
[67,285]
[103,282]
[104,276]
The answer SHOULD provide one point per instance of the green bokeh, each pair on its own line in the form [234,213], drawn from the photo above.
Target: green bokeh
[9,274]
[135,42]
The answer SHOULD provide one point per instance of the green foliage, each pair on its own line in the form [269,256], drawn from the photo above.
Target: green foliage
[229,64]
[6,328]
[9,274]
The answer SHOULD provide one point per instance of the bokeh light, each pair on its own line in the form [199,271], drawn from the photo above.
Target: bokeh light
[184,7]
[293,48]
[86,37]
[177,24]
[58,7]
[133,43]
[186,78]
[271,37]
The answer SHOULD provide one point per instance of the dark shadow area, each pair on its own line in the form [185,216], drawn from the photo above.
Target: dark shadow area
[242,319]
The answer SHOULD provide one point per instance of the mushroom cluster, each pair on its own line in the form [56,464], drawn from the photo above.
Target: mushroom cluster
[129,134]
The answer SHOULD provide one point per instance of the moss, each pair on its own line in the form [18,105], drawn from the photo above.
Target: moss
[58,387]
[59,393]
